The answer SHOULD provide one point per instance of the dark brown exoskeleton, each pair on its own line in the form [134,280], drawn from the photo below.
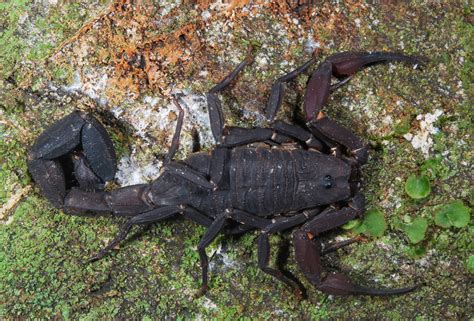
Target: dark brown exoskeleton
[314,185]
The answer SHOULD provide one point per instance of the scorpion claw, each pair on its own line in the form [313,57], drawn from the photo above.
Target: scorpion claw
[51,154]
[58,139]
[98,149]
[50,177]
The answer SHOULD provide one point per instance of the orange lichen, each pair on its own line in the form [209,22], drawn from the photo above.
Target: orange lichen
[145,47]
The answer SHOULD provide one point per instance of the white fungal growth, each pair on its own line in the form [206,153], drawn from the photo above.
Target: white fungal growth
[208,304]
[92,84]
[310,45]
[131,172]
[422,139]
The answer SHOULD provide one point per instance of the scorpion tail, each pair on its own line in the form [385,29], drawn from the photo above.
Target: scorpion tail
[339,284]
[343,66]
[308,254]
[348,63]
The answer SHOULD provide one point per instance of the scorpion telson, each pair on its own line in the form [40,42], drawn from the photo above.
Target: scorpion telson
[312,186]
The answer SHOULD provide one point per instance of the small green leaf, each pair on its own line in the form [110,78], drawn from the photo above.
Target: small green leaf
[417,187]
[416,230]
[374,223]
[351,224]
[453,214]
[470,264]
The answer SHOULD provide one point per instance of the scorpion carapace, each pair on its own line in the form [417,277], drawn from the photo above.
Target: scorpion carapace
[268,179]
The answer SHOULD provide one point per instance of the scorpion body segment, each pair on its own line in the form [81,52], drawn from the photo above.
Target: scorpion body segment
[267,179]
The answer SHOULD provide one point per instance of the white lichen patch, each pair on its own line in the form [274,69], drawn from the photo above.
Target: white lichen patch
[153,115]
[310,45]
[196,116]
[208,304]
[132,172]
[422,139]
[156,116]
[91,83]
[227,262]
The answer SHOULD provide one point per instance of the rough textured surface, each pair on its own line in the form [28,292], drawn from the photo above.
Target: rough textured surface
[121,61]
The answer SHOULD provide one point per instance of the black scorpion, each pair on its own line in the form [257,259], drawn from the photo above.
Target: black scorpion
[292,176]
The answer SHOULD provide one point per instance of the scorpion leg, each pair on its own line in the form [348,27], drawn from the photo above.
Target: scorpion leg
[153,216]
[308,255]
[144,218]
[211,233]
[278,89]
[297,133]
[184,171]
[219,160]
[328,130]
[338,245]
[215,109]
[175,142]
[236,136]
[216,227]
[279,225]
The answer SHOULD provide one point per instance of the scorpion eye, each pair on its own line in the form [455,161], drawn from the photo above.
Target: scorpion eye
[327,181]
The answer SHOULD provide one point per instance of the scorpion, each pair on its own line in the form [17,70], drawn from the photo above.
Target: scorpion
[268,179]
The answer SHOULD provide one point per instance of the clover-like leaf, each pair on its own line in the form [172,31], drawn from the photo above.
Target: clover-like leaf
[417,187]
[416,230]
[374,223]
[453,214]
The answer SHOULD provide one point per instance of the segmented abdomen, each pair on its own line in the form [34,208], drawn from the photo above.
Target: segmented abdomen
[267,181]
